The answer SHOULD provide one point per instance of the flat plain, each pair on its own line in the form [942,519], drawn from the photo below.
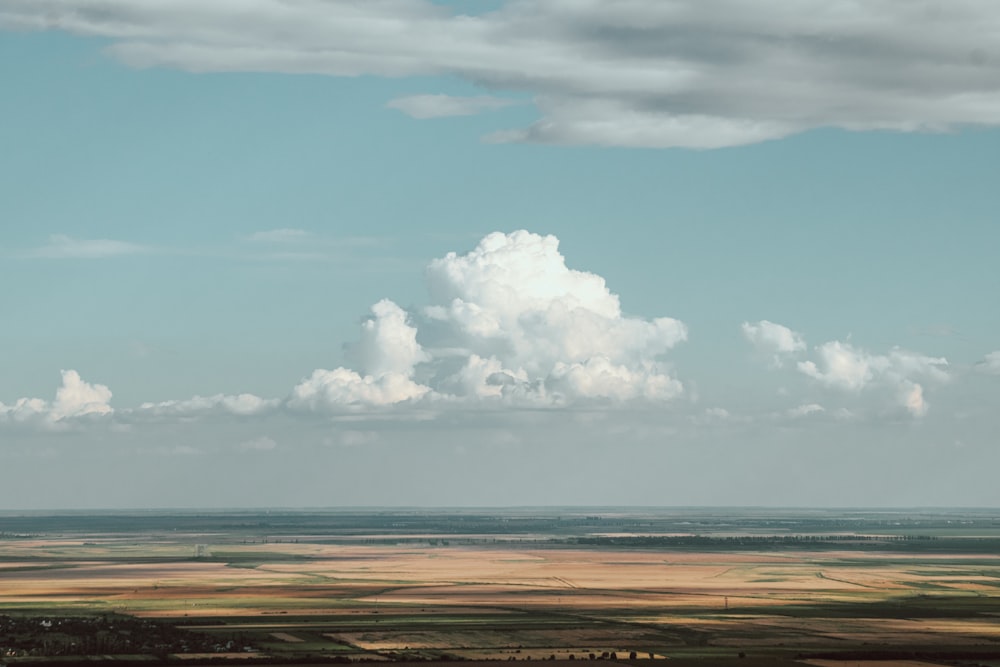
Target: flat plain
[700,585]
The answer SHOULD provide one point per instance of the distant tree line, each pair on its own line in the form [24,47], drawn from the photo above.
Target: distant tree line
[872,542]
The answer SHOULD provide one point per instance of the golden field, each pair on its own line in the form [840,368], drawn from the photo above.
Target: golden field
[483,601]
[409,585]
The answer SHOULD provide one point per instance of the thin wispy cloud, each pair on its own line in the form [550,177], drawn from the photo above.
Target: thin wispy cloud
[283,235]
[261,444]
[445,106]
[242,405]
[60,246]
[275,245]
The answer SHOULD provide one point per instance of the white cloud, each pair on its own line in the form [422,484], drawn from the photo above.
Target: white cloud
[486,378]
[805,410]
[912,398]
[352,438]
[508,324]
[387,354]
[75,398]
[507,321]
[695,73]
[718,413]
[242,405]
[842,366]
[388,342]
[598,377]
[905,363]
[774,339]
[714,416]
[845,367]
[343,388]
[603,122]
[800,412]
[444,106]
[177,450]
[61,246]
[990,363]
[260,444]
[529,322]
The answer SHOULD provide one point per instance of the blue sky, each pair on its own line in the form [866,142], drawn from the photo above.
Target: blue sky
[203,213]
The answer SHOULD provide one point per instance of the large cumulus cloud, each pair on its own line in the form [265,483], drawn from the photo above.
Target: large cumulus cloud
[514,303]
[694,73]
[507,321]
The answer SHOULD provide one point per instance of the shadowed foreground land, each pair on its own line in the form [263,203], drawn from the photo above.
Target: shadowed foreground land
[702,586]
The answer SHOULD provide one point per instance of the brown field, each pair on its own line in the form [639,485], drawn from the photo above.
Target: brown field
[524,601]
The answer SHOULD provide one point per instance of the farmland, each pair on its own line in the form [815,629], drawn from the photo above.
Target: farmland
[692,585]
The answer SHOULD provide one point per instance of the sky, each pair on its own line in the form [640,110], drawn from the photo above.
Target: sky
[323,253]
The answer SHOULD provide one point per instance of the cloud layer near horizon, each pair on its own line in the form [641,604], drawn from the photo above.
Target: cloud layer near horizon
[509,325]
[648,73]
